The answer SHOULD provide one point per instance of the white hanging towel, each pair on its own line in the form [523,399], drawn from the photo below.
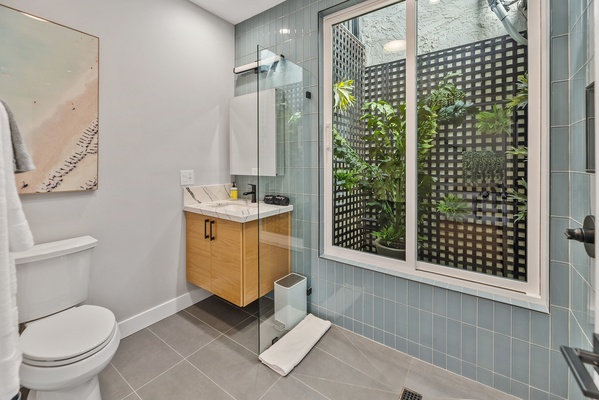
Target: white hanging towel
[14,236]
[285,354]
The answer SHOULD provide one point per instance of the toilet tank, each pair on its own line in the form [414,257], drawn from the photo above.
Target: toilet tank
[53,276]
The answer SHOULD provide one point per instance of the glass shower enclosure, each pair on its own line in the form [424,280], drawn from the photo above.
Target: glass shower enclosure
[278,178]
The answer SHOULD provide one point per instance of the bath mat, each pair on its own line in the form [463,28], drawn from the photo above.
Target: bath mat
[286,353]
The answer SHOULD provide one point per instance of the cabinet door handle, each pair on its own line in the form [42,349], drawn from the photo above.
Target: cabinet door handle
[212,237]
[206,236]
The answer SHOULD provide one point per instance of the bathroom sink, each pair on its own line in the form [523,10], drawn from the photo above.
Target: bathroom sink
[238,211]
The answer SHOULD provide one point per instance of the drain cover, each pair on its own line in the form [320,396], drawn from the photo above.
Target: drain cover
[408,394]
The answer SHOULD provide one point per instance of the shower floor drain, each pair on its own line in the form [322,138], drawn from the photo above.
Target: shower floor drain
[408,394]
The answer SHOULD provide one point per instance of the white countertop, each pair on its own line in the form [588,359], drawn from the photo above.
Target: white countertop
[237,210]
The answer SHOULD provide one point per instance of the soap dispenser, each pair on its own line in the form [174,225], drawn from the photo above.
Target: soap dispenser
[234,192]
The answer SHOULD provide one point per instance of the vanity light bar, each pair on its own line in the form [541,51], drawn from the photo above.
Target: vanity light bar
[252,66]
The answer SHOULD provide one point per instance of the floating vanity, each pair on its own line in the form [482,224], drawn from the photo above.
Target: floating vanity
[223,238]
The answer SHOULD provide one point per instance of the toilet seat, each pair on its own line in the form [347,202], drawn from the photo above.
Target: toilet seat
[68,336]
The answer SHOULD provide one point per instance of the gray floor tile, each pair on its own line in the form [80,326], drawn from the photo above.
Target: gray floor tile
[132,396]
[319,364]
[142,356]
[234,368]
[433,382]
[289,388]
[246,334]
[112,384]
[344,391]
[184,333]
[217,313]
[182,382]
[382,363]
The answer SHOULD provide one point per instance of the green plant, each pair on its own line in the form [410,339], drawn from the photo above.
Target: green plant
[482,166]
[453,207]
[495,122]
[521,198]
[520,100]
[342,92]
[380,174]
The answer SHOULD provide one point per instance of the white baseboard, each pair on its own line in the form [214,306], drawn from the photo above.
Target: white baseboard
[166,309]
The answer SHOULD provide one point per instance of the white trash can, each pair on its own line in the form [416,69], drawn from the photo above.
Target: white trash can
[291,300]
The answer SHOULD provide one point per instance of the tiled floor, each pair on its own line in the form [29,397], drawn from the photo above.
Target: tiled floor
[209,351]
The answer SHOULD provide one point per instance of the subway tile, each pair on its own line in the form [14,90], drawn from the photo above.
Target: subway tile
[379,284]
[485,349]
[539,367]
[520,390]
[521,323]
[502,350]
[413,294]
[559,279]
[484,376]
[559,58]
[401,344]
[439,333]
[379,312]
[454,338]
[426,328]
[502,383]
[469,312]
[426,297]
[440,359]
[469,370]
[540,329]
[426,354]
[560,193]
[390,287]
[379,335]
[368,309]
[559,327]
[401,287]
[454,365]
[413,349]
[558,381]
[358,278]
[536,394]
[348,308]
[520,361]
[560,104]
[578,147]
[468,343]
[454,305]
[560,149]
[485,314]
[581,196]
[368,281]
[401,320]
[440,301]
[348,276]
[389,322]
[503,318]
[559,247]
[413,324]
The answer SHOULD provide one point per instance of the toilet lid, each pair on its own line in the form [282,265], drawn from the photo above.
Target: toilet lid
[68,334]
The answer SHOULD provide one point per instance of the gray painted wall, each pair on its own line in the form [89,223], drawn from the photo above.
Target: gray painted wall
[165,83]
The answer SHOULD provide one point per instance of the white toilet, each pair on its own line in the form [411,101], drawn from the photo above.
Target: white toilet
[65,346]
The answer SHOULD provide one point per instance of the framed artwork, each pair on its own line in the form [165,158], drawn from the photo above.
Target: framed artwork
[49,76]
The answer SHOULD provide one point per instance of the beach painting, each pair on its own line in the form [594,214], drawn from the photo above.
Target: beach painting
[49,77]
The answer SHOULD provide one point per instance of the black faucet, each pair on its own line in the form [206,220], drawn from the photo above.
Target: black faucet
[253,192]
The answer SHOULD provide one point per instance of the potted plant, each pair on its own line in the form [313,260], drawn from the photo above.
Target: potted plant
[380,174]
[453,207]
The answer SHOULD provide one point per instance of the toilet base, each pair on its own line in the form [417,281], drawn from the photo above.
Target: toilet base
[89,390]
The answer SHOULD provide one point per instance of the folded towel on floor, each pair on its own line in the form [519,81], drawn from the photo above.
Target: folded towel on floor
[22,161]
[285,354]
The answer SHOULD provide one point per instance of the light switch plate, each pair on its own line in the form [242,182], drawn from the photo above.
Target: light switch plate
[187,177]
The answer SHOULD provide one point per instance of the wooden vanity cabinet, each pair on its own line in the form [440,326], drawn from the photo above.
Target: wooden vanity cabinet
[222,255]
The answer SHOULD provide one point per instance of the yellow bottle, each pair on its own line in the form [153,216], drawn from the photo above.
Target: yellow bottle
[234,193]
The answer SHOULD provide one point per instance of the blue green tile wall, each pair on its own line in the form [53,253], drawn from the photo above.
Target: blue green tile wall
[512,349]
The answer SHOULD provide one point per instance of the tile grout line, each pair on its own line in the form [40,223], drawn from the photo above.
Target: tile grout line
[344,383]
[305,384]
[158,376]
[271,386]
[126,381]
[207,377]
[363,355]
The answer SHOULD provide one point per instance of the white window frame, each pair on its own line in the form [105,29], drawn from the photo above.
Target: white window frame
[535,292]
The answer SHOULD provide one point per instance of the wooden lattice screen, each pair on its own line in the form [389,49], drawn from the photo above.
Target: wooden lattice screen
[488,240]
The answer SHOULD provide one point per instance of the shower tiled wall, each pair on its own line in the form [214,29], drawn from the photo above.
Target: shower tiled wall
[510,348]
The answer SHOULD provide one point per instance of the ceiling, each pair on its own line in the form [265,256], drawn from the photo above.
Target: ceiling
[236,11]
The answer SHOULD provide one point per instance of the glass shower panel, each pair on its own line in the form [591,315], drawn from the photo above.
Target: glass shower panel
[283,145]
[472,138]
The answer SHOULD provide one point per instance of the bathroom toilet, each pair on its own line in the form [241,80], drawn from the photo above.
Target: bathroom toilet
[65,345]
